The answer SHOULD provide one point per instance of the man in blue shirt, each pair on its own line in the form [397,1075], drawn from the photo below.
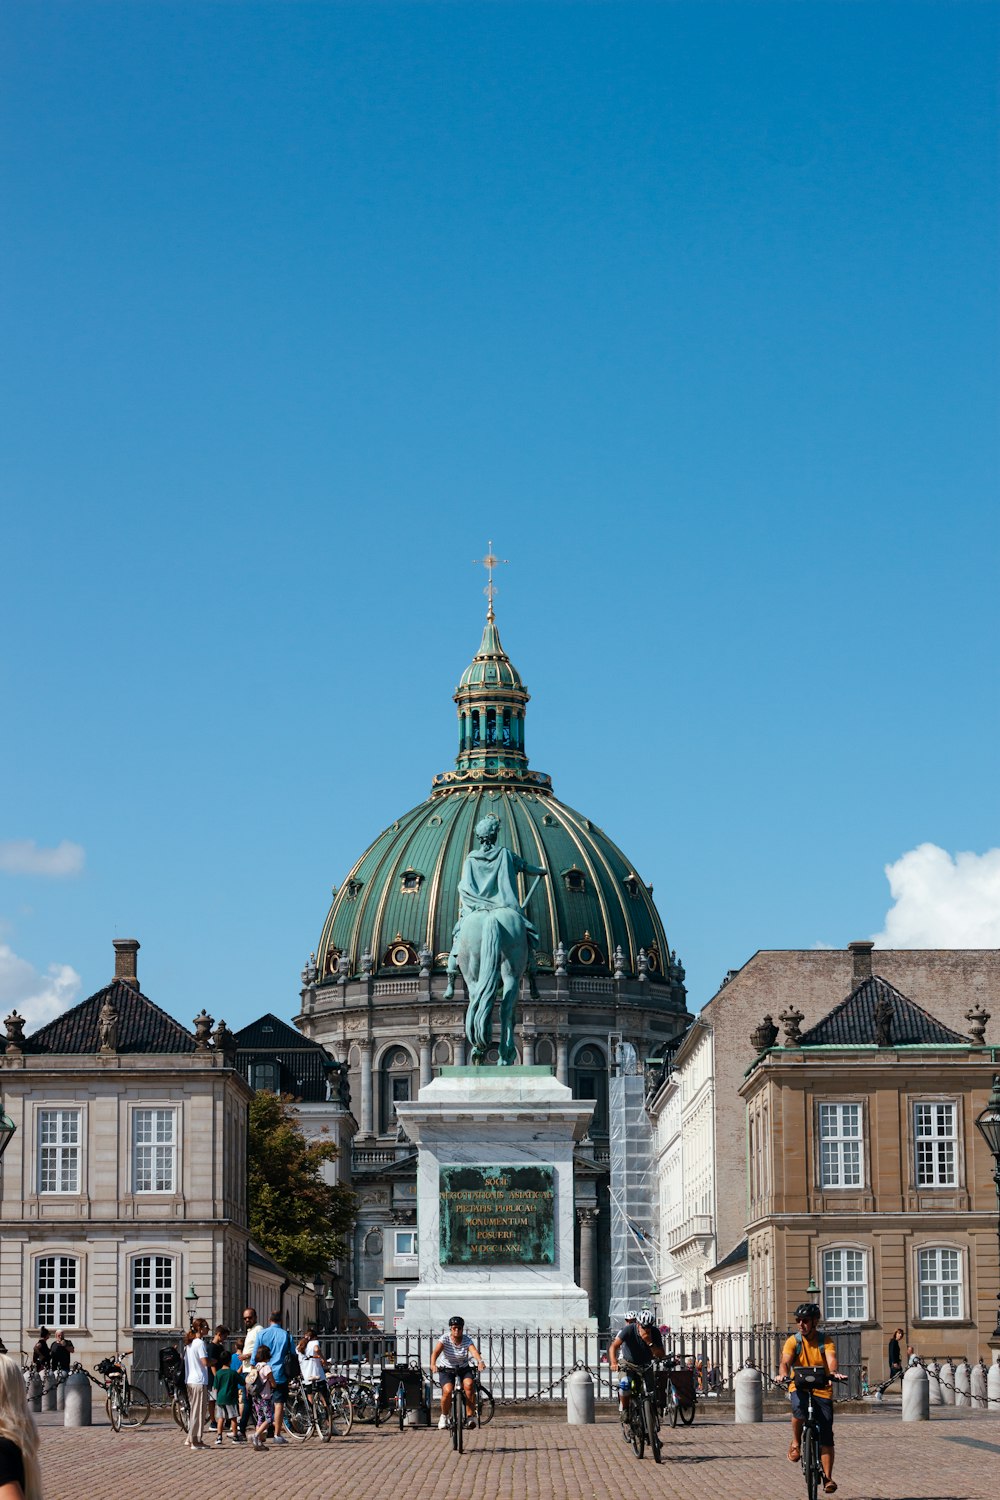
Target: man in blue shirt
[282,1358]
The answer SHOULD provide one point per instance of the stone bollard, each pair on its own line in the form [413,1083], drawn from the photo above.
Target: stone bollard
[61,1391]
[49,1392]
[916,1395]
[35,1391]
[579,1399]
[963,1384]
[947,1383]
[748,1387]
[934,1384]
[978,1384]
[993,1389]
[77,1404]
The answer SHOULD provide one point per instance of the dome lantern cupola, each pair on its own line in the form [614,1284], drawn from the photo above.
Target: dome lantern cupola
[491,699]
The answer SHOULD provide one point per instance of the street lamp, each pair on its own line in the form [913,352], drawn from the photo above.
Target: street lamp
[7,1129]
[988,1123]
[191,1298]
[330,1299]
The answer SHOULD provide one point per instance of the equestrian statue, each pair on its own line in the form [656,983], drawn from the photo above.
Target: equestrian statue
[493,942]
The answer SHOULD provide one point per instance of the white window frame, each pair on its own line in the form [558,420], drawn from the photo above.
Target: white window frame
[150,1156]
[400,1299]
[376,1304]
[64,1294]
[935,1151]
[156,1261]
[837,1288]
[840,1150]
[930,1308]
[62,1151]
[408,1234]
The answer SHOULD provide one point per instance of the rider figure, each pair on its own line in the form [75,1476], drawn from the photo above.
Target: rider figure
[452,1357]
[640,1343]
[803,1349]
[489,883]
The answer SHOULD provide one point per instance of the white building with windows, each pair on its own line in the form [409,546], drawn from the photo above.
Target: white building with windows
[124,1185]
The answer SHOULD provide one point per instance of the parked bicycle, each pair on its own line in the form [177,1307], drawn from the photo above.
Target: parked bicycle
[125,1404]
[678,1394]
[364,1396]
[312,1406]
[639,1415]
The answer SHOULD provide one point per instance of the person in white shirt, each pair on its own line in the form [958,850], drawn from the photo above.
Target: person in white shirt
[311,1365]
[196,1378]
[253,1332]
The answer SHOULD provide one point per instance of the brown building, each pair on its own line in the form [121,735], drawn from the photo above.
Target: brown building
[868,1175]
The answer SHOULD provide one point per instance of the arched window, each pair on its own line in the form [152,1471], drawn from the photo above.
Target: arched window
[57,1290]
[506,726]
[589,1080]
[475,727]
[396,1076]
[491,726]
[845,1285]
[154,1280]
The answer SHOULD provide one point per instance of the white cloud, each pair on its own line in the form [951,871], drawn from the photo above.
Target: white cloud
[23,857]
[942,900]
[37,997]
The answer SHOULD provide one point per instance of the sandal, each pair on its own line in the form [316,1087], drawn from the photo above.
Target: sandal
[794,1453]
[829,1487]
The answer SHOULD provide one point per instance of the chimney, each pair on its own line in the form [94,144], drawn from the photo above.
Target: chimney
[125,952]
[862,955]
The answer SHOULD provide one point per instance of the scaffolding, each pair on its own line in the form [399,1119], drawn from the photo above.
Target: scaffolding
[632,1186]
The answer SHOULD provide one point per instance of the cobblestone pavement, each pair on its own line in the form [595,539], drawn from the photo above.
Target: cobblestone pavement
[955,1456]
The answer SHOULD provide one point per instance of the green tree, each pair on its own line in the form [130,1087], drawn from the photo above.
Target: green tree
[295,1216]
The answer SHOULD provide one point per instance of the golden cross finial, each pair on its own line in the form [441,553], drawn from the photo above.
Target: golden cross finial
[489,562]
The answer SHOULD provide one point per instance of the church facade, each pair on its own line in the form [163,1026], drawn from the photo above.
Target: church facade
[377,992]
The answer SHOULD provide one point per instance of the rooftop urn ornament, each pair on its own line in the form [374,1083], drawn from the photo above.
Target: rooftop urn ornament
[765,1035]
[883,1021]
[561,958]
[309,972]
[343,969]
[619,963]
[107,1027]
[643,966]
[225,1043]
[202,1030]
[792,1020]
[977,1018]
[425,958]
[14,1026]
[367,963]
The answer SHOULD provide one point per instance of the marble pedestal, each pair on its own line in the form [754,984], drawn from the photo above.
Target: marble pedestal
[515,1129]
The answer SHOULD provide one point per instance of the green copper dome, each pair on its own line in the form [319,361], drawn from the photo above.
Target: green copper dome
[398,905]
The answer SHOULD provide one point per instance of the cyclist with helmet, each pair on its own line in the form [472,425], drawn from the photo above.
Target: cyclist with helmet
[807,1347]
[639,1342]
[453,1356]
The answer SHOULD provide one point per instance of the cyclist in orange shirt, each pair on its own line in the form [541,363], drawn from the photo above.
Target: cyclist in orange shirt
[803,1349]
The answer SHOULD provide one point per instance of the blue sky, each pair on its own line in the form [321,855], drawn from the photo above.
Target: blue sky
[692,309]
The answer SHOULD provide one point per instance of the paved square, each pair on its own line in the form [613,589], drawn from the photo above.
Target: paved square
[953,1457]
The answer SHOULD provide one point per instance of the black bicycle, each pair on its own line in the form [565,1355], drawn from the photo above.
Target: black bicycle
[809,1379]
[126,1404]
[640,1419]
[678,1395]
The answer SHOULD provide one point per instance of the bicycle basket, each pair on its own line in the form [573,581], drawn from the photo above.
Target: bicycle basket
[813,1379]
[109,1367]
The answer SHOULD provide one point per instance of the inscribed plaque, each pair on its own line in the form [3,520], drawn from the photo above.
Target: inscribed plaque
[497,1215]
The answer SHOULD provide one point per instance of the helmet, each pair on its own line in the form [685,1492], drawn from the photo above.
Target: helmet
[456,1320]
[807,1310]
[631,1315]
[646,1319]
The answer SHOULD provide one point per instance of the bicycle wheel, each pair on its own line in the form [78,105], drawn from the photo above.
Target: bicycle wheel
[341,1414]
[136,1408]
[322,1406]
[637,1434]
[180,1410]
[401,1409]
[673,1410]
[114,1410]
[485,1405]
[686,1411]
[649,1417]
[810,1462]
[364,1403]
[298,1417]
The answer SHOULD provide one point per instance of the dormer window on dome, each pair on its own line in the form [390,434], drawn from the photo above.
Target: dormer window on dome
[410,882]
[352,890]
[575,881]
[586,953]
[632,885]
[400,954]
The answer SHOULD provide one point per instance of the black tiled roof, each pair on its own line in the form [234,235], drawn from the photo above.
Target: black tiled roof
[852,1022]
[142,1026]
[303,1065]
[735,1257]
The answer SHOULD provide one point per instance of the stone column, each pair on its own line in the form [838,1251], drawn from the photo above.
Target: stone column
[562,1059]
[459,1048]
[425,1058]
[588,1224]
[528,1051]
[367,1119]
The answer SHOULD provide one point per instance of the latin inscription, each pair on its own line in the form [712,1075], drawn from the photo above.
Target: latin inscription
[494,1215]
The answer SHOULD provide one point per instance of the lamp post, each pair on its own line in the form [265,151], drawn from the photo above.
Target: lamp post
[7,1129]
[988,1124]
[191,1298]
[330,1300]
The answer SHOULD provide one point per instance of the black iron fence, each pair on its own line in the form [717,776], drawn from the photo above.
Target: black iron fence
[528,1364]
